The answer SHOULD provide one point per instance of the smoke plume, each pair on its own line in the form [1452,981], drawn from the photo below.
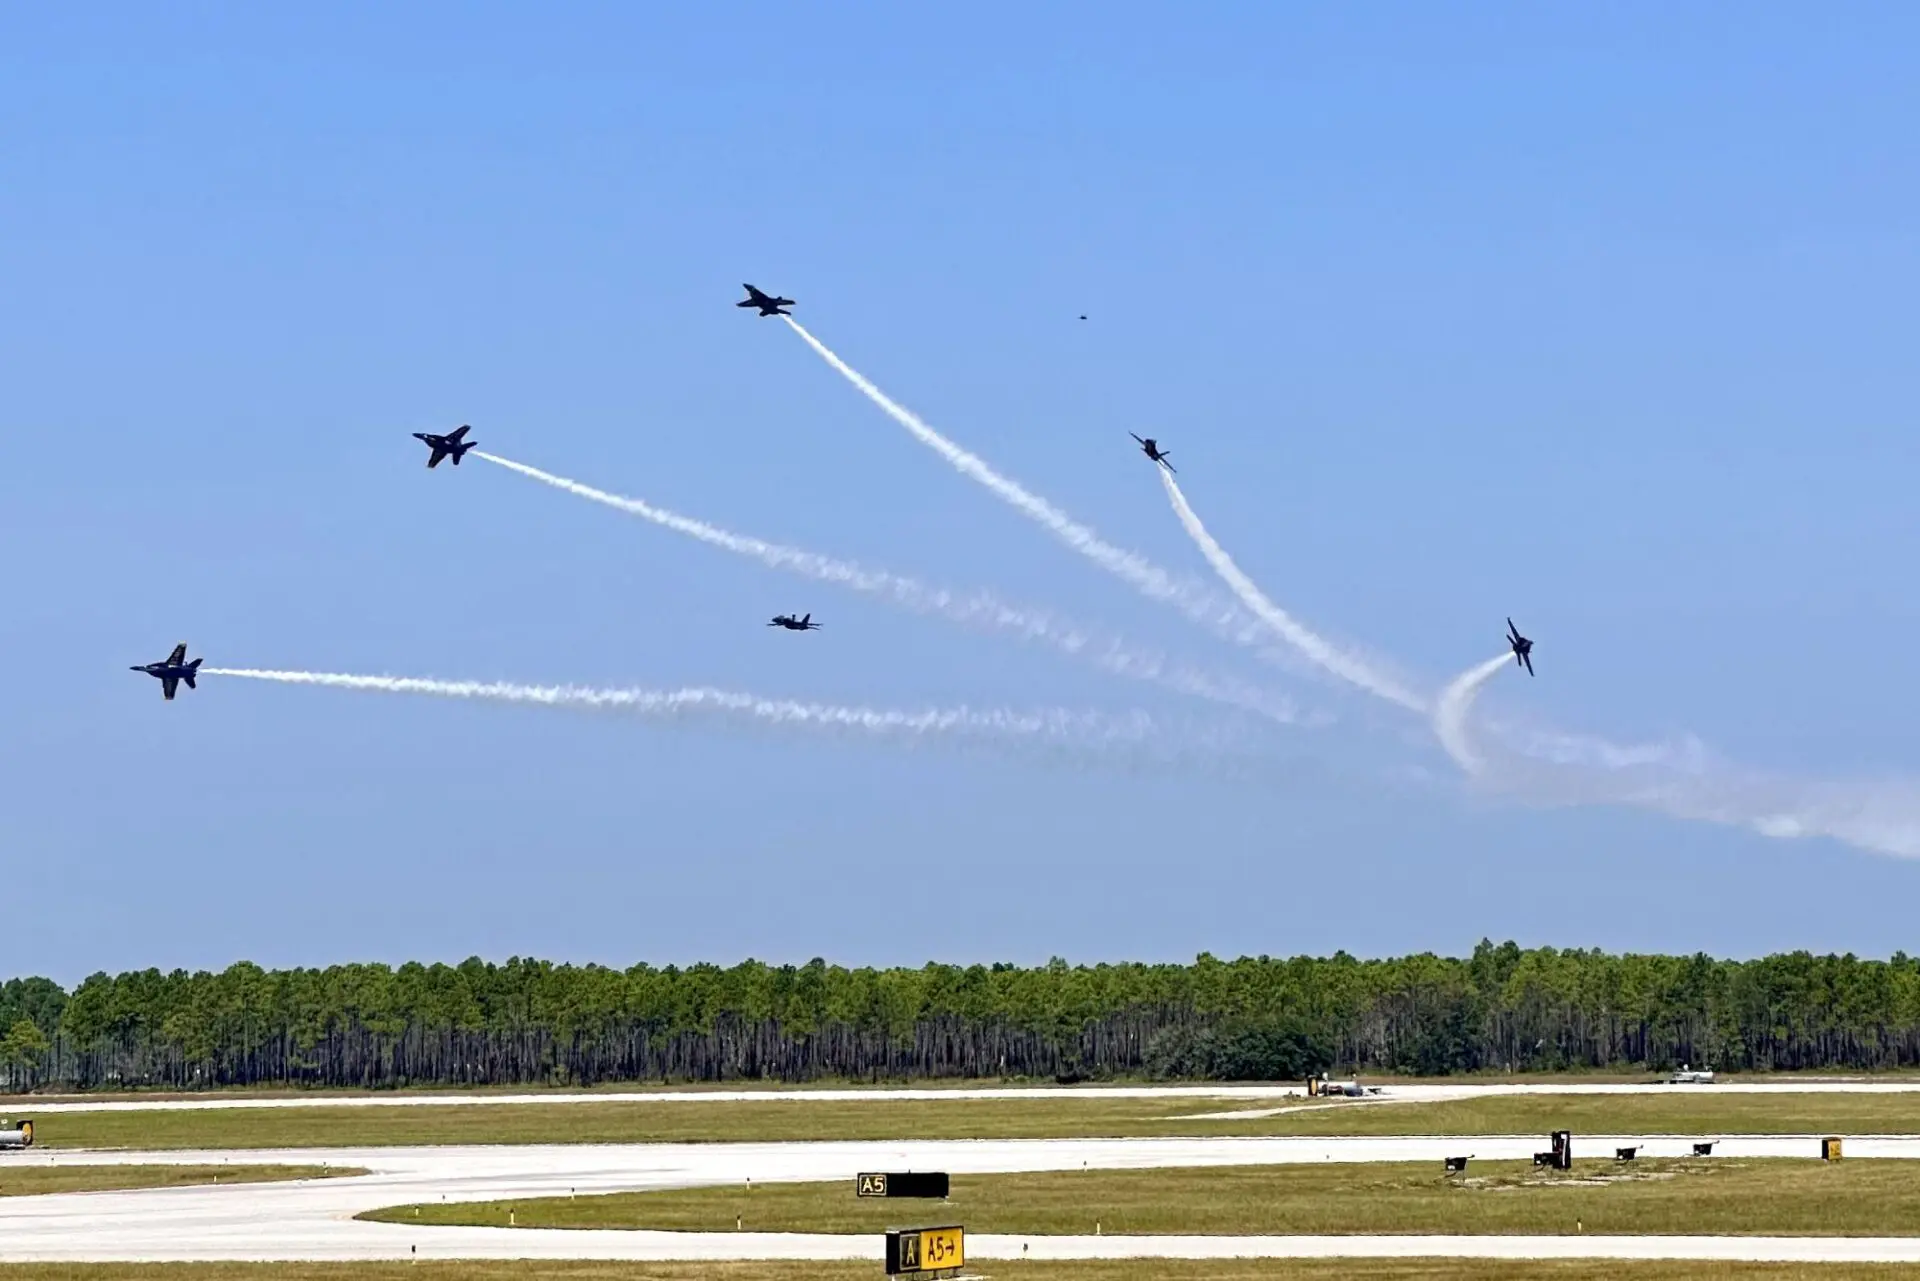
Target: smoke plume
[1314,648]
[974,609]
[1054,725]
[1450,713]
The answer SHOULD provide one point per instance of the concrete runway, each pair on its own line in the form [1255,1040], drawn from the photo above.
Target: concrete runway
[313,1219]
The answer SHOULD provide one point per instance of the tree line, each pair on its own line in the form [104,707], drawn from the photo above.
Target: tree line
[529,1022]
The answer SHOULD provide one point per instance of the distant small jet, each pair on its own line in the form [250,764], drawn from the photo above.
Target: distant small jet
[1083,317]
[447,446]
[1522,647]
[804,623]
[768,306]
[1151,449]
[172,670]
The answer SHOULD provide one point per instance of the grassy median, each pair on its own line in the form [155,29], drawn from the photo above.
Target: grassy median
[24,1180]
[1693,1112]
[1704,1197]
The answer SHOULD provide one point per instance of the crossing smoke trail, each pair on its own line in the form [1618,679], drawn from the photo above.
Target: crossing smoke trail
[1316,649]
[978,609]
[1884,818]
[1190,598]
[1051,725]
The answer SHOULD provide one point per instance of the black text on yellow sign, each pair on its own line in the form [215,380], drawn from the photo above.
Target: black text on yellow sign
[925,1250]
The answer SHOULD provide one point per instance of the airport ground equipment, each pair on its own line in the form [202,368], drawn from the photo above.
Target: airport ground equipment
[1320,1085]
[16,1134]
[1704,1149]
[1561,1156]
[931,1184]
[1456,1165]
[926,1252]
[1626,1154]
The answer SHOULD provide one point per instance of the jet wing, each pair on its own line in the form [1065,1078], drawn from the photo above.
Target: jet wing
[178,656]
[167,685]
[459,435]
[438,454]
[1528,660]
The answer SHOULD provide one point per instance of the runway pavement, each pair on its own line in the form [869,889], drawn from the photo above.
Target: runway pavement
[312,1219]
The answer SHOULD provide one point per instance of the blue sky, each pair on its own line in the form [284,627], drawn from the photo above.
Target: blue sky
[1600,320]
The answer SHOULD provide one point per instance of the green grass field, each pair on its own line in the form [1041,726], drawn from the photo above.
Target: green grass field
[37,1180]
[999,1270]
[1703,1112]
[1705,1197]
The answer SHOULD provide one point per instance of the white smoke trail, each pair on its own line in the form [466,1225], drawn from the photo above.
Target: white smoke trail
[1680,780]
[1317,650]
[1190,598]
[976,609]
[1051,724]
[1450,713]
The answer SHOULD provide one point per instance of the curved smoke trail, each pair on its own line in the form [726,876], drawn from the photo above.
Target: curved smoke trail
[1680,780]
[1190,598]
[1315,648]
[977,609]
[1450,713]
[1052,724]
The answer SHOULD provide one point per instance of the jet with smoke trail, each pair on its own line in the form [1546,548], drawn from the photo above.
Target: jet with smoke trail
[1189,597]
[1883,818]
[1321,652]
[977,609]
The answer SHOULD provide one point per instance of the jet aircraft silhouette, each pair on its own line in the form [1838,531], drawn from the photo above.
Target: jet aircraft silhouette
[1522,647]
[1151,449]
[171,670]
[447,446]
[768,306]
[804,623]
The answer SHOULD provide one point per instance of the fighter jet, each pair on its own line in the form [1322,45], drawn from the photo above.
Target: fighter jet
[453,445]
[804,623]
[768,306]
[1152,450]
[172,670]
[1522,647]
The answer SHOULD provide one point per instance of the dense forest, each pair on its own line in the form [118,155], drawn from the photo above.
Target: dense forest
[532,1022]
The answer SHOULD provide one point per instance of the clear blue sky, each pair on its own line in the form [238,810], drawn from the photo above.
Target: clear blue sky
[1448,312]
